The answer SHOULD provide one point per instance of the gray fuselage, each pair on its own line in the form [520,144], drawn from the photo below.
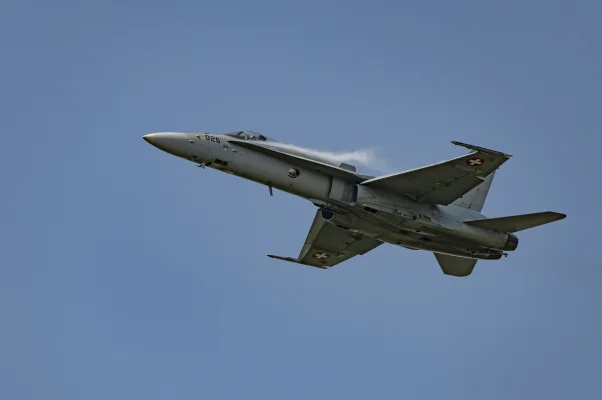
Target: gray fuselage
[344,202]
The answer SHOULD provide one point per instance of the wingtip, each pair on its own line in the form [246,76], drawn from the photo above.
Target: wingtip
[290,259]
[479,148]
[556,215]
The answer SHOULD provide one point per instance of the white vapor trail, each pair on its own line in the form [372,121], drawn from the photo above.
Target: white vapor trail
[365,157]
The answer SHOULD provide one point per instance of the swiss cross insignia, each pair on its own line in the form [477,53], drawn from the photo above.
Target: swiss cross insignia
[475,162]
[320,256]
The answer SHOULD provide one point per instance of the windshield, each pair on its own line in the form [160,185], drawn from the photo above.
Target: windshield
[249,135]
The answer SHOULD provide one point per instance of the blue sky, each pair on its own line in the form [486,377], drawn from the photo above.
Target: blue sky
[128,273]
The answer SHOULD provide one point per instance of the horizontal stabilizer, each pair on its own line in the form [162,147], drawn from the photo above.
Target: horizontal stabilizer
[455,266]
[517,223]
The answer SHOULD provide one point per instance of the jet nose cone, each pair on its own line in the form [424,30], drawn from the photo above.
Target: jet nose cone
[159,140]
[170,142]
[149,138]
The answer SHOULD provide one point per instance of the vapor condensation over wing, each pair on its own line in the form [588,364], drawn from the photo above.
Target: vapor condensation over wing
[364,157]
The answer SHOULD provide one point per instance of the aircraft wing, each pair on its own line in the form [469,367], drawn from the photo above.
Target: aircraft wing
[445,182]
[302,161]
[328,245]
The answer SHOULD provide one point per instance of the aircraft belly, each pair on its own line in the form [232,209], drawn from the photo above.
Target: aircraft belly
[439,246]
[445,243]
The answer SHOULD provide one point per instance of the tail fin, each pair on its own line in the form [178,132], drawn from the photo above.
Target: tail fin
[517,223]
[455,266]
[475,199]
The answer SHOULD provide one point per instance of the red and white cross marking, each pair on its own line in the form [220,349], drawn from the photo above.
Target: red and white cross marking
[475,162]
[320,256]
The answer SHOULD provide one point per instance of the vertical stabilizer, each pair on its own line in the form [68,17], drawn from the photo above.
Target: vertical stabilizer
[475,199]
[455,266]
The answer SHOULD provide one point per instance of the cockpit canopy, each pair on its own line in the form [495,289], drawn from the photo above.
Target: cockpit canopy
[250,135]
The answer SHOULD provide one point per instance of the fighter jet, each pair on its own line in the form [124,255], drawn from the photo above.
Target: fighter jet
[436,208]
